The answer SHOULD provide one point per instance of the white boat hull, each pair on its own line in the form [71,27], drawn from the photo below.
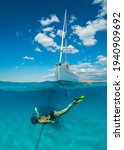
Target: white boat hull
[62,74]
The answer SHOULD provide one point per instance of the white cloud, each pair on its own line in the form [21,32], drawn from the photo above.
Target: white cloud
[87,34]
[103,10]
[47,21]
[81,67]
[19,34]
[102,60]
[48,77]
[79,43]
[29,30]
[52,35]
[37,49]
[97,1]
[60,33]
[51,49]
[89,71]
[52,70]
[48,29]
[27,57]
[70,49]
[46,41]
[73,18]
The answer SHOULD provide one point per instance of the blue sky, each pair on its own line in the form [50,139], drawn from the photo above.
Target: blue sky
[30,36]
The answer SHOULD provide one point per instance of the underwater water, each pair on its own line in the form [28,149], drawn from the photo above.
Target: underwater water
[84,127]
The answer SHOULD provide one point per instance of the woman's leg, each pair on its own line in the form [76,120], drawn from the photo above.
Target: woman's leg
[61,112]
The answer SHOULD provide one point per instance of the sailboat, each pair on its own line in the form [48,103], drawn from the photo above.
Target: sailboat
[63,72]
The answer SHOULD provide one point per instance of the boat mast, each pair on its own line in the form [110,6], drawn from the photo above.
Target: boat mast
[66,43]
[63,35]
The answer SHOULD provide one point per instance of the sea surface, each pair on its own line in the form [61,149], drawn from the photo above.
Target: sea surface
[84,127]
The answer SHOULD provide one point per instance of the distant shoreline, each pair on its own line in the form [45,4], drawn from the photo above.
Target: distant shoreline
[89,81]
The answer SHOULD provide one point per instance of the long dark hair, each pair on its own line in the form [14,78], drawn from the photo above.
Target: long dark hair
[34,120]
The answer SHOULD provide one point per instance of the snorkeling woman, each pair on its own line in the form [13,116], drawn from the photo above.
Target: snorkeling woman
[37,118]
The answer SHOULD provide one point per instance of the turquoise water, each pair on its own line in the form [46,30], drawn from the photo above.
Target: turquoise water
[84,127]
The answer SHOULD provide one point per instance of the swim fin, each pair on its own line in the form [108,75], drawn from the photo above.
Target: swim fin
[78,100]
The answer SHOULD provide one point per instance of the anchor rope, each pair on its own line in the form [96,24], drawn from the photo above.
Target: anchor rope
[41,131]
